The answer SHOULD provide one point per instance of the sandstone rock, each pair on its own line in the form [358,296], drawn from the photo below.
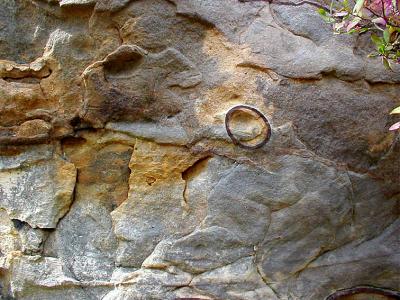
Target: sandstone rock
[20,101]
[24,31]
[214,13]
[337,128]
[33,128]
[247,219]
[153,284]
[33,131]
[373,212]
[313,51]
[153,132]
[19,236]
[239,280]
[46,273]
[9,238]
[102,185]
[32,240]
[111,5]
[130,84]
[156,206]
[36,69]
[118,179]
[349,266]
[14,157]
[206,249]
[39,194]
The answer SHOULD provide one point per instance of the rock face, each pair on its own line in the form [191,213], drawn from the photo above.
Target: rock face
[118,179]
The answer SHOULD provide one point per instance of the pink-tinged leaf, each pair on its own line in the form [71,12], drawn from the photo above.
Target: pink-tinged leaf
[395,126]
[338,26]
[379,21]
[353,24]
[341,14]
[377,7]
[365,13]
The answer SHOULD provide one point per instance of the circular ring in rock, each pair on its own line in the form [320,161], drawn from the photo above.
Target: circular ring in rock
[364,290]
[251,111]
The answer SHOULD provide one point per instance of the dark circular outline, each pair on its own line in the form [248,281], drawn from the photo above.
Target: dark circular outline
[364,289]
[235,141]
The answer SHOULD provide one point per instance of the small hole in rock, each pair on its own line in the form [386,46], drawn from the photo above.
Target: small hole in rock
[150,180]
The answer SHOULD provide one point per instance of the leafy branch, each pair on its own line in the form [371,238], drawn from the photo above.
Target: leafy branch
[379,17]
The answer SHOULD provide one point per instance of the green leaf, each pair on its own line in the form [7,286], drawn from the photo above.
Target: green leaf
[331,7]
[386,35]
[322,11]
[325,16]
[386,63]
[377,40]
[395,111]
[391,29]
[394,4]
[362,30]
[359,5]
[388,48]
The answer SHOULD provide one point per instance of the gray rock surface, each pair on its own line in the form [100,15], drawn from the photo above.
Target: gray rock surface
[353,263]
[39,194]
[118,179]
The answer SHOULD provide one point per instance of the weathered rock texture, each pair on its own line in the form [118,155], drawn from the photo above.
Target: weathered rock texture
[118,179]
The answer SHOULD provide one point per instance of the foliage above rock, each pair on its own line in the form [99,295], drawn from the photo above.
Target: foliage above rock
[380,17]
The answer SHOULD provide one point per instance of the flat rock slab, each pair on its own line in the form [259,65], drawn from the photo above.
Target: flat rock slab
[39,194]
